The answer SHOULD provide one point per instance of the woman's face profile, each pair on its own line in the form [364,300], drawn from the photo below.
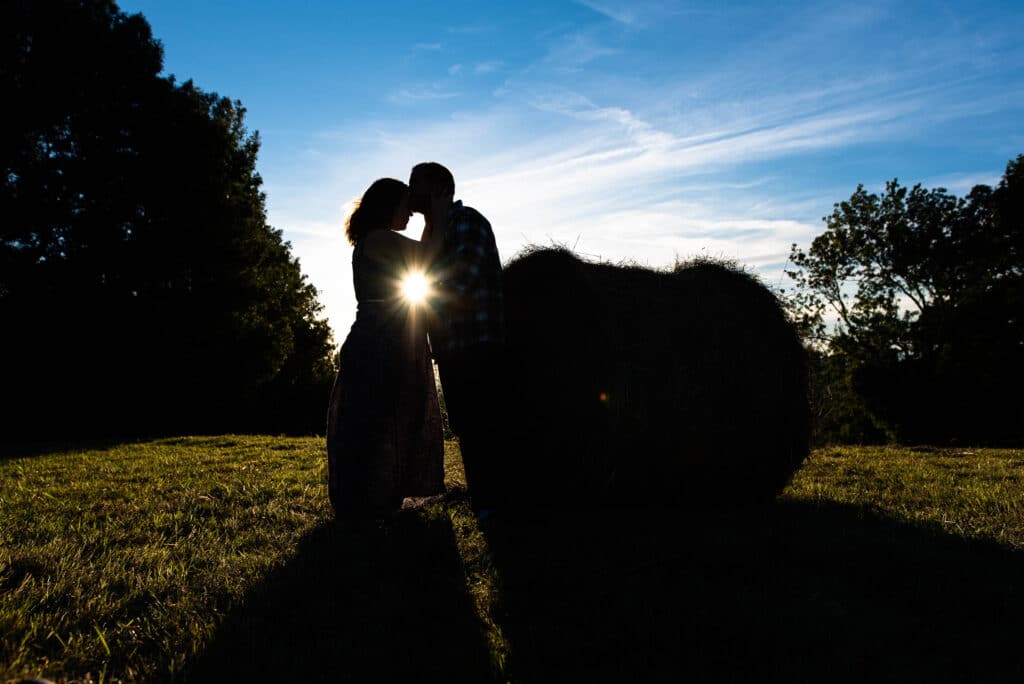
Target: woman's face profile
[400,219]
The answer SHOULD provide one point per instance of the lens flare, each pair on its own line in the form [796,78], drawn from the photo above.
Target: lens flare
[415,287]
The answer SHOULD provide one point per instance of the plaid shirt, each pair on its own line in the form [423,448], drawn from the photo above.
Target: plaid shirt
[472,306]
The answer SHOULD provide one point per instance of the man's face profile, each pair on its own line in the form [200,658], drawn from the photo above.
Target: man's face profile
[419,194]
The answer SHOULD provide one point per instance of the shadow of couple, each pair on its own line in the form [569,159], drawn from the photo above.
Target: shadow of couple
[791,592]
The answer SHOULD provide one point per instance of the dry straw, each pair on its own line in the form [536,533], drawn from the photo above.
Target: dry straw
[629,385]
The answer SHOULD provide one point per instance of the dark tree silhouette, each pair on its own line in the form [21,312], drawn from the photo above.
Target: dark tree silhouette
[915,299]
[141,288]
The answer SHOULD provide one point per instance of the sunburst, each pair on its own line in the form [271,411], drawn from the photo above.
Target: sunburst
[415,287]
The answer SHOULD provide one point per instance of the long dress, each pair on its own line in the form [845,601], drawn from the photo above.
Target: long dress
[384,429]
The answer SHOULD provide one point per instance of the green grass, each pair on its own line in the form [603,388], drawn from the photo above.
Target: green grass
[971,493]
[213,558]
[120,561]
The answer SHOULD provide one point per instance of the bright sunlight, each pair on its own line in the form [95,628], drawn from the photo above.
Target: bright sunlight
[415,287]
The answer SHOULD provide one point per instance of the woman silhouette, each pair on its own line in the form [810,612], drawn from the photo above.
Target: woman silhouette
[384,432]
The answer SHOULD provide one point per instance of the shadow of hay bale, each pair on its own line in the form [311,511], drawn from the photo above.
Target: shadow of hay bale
[650,386]
[789,592]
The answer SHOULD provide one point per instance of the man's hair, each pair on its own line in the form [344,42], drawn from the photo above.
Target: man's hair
[435,175]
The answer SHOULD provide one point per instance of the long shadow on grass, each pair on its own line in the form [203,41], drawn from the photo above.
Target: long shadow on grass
[357,604]
[797,592]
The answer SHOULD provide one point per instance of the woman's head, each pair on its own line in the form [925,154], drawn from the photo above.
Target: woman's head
[384,206]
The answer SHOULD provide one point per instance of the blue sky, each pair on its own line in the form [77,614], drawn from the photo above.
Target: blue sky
[640,131]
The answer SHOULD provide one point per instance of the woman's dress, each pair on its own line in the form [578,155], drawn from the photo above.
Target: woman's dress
[384,430]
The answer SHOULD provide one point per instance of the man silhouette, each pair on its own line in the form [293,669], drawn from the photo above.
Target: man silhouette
[468,333]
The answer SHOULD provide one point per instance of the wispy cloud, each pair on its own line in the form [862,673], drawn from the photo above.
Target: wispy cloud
[609,181]
[638,14]
[488,67]
[961,183]
[620,13]
[717,161]
[428,47]
[616,184]
[572,51]
[469,29]
[416,95]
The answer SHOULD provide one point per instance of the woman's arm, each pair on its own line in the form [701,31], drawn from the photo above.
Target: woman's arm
[393,250]
[396,250]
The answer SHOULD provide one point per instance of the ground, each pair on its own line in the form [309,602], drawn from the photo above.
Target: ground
[213,558]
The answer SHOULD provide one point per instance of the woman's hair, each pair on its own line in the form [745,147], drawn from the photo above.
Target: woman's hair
[375,209]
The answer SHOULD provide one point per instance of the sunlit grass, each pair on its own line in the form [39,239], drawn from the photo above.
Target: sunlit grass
[120,563]
[973,493]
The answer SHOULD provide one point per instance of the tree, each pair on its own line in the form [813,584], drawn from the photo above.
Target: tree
[140,285]
[915,297]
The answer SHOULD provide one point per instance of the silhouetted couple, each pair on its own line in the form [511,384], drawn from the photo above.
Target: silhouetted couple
[384,431]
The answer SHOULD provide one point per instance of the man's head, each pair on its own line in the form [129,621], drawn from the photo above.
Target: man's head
[426,180]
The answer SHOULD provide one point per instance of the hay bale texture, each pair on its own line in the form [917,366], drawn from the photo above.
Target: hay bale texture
[651,387]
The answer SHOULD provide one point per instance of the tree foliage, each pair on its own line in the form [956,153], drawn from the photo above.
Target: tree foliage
[914,299]
[140,285]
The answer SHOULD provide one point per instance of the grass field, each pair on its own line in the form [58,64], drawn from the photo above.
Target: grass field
[215,559]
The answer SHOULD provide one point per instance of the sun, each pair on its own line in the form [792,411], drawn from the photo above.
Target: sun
[415,287]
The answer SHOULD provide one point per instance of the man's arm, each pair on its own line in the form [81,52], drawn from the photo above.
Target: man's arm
[472,242]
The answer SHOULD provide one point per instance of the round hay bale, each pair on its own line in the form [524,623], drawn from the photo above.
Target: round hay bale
[558,368]
[642,386]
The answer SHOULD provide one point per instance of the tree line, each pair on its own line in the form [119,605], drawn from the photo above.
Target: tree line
[912,304]
[141,289]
